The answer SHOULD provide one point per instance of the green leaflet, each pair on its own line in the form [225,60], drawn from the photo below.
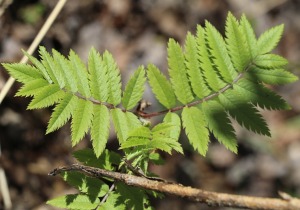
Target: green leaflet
[32,88]
[62,112]
[270,61]
[178,73]
[47,96]
[272,76]
[259,95]
[39,66]
[137,137]
[66,71]
[194,122]
[244,113]
[22,72]
[123,123]
[81,120]
[51,67]
[162,138]
[247,31]
[114,79]
[211,77]
[161,87]
[219,53]
[74,202]
[174,119]
[192,61]
[236,39]
[219,124]
[98,76]
[134,89]
[80,74]
[93,187]
[100,129]
[269,39]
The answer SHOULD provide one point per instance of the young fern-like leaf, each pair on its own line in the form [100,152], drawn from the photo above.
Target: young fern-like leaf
[269,39]
[178,73]
[194,122]
[134,89]
[100,129]
[214,77]
[161,87]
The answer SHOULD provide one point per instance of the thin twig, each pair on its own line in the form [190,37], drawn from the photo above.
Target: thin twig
[112,187]
[197,195]
[34,44]
[4,188]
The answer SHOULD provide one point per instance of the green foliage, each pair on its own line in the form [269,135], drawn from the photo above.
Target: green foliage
[216,79]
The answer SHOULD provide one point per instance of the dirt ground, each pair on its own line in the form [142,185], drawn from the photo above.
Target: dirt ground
[136,33]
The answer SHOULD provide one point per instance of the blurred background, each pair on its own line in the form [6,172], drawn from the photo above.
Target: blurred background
[136,33]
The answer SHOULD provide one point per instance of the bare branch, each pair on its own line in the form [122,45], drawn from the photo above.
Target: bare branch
[197,195]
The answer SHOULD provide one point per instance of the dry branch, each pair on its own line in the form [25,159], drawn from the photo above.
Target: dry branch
[198,195]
